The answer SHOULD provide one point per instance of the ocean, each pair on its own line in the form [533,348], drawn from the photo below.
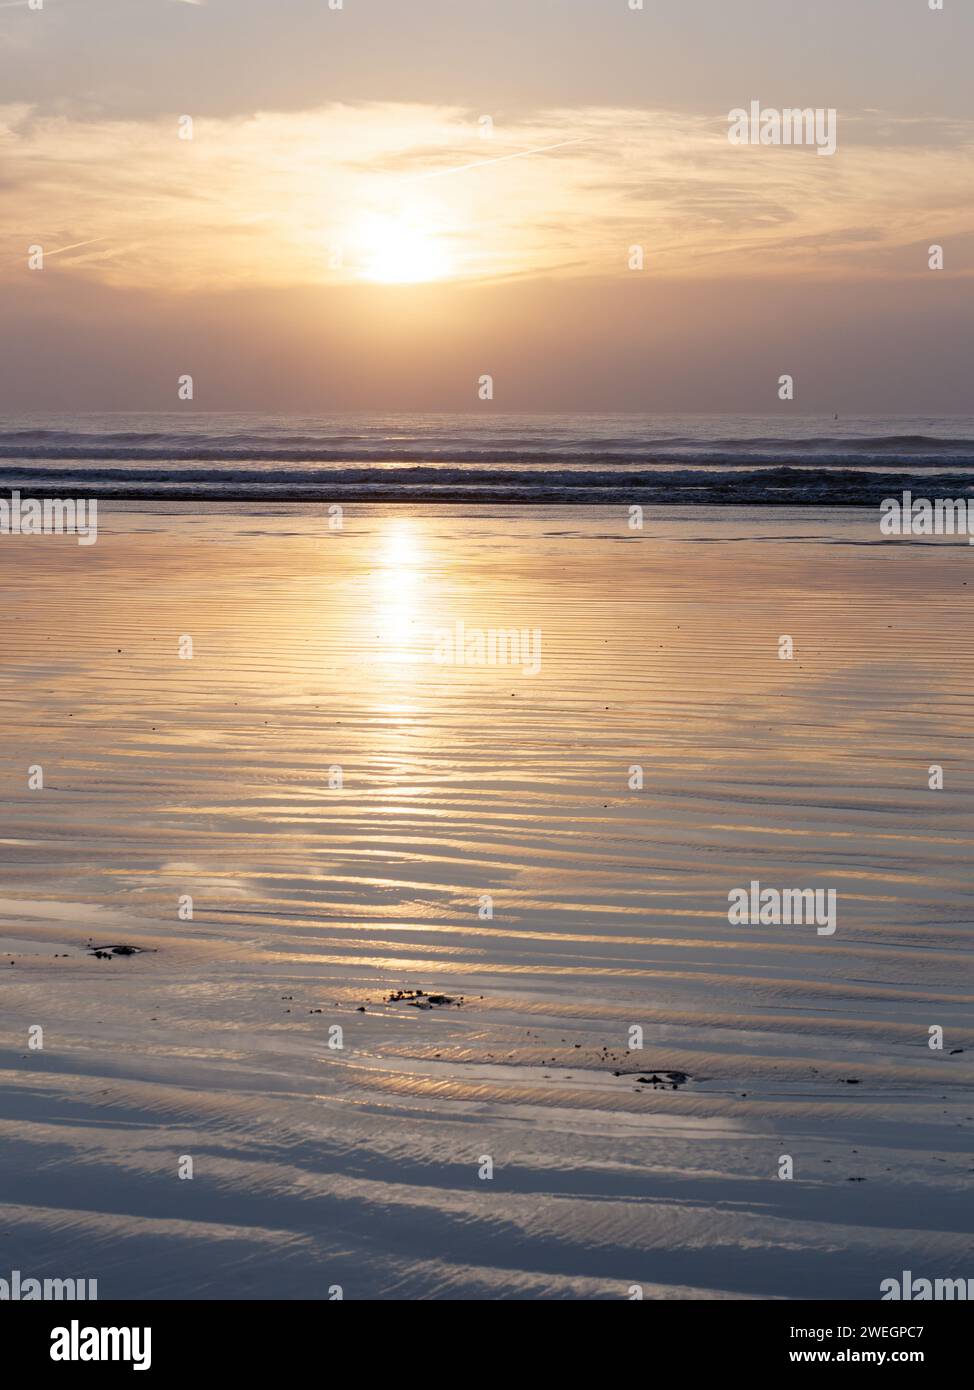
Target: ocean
[756,460]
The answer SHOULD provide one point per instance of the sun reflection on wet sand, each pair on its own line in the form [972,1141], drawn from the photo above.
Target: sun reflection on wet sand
[399,591]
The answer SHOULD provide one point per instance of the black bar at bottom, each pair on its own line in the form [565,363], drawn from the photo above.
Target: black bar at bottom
[304,1338]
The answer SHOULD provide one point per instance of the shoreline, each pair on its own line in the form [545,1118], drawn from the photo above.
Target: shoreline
[662,494]
[335,804]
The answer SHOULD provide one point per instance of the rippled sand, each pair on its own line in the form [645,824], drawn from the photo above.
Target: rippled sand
[359,1167]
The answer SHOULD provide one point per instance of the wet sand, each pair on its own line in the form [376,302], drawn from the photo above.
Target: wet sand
[317,1166]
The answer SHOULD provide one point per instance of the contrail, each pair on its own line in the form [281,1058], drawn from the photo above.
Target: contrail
[74,247]
[500,158]
[21,4]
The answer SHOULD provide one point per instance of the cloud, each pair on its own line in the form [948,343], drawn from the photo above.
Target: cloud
[291,198]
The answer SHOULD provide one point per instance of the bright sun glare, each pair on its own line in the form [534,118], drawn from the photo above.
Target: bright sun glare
[402,251]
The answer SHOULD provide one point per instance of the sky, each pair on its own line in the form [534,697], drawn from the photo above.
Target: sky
[380,203]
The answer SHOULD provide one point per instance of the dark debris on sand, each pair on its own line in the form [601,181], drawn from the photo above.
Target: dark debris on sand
[110,952]
[668,1080]
[419,999]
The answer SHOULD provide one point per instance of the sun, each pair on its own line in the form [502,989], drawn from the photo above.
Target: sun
[401,251]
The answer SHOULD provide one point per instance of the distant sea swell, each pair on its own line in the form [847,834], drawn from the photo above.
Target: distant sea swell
[596,459]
